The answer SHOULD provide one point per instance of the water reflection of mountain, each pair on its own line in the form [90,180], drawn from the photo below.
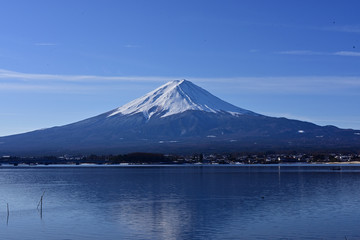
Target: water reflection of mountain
[203,202]
[208,202]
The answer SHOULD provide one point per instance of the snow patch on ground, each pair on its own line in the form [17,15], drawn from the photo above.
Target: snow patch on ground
[168,141]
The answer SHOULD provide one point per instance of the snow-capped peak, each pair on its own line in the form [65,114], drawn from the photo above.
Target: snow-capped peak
[176,97]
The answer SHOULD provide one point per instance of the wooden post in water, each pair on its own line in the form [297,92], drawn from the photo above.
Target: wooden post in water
[40,204]
[8,213]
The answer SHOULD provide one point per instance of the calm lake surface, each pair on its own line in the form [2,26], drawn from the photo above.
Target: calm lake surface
[181,202]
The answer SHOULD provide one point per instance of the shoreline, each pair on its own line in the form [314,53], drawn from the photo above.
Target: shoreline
[93,165]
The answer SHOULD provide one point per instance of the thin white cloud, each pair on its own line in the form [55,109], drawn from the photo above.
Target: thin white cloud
[45,44]
[343,28]
[67,88]
[6,74]
[348,53]
[309,52]
[12,81]
[301,52]
[286,85]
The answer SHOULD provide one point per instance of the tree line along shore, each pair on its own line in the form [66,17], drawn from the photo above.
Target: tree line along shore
[197,158]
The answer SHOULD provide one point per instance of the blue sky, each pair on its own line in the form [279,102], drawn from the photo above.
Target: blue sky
[63,61]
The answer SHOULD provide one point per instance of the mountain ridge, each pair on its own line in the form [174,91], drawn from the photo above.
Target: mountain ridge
[179,117]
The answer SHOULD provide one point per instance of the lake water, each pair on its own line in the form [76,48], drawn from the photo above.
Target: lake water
[181,202]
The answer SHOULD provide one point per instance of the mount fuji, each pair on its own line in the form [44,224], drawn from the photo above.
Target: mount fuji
[176,97]
[180,117]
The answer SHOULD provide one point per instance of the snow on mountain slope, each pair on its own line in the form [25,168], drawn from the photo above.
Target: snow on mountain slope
[176,97]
